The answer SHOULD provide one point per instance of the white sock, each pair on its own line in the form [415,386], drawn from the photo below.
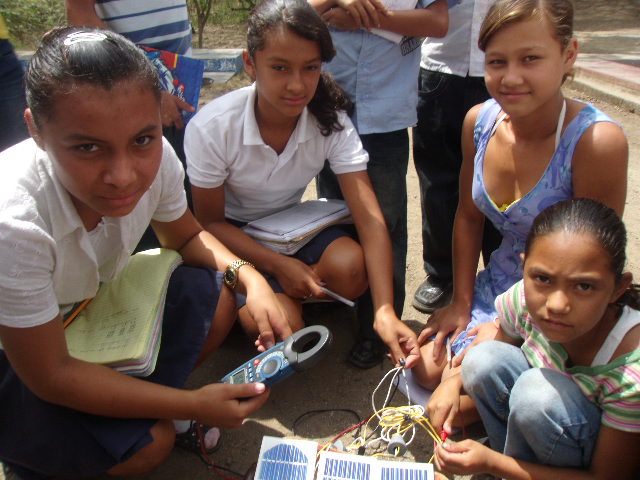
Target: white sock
[181,426]
[211,438]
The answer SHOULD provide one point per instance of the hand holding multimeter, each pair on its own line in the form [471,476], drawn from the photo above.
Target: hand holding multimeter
[299,352]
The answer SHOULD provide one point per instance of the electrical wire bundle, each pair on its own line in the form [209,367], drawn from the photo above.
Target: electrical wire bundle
[396,426]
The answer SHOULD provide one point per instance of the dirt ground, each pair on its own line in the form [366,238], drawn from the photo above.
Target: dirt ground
[330,397]
[321,402]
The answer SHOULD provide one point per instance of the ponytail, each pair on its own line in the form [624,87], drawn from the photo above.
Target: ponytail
[327,101]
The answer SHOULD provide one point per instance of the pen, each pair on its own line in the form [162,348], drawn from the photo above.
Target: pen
[340,298]
[448,345]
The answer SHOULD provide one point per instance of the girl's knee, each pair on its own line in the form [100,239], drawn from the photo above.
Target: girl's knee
[428,372]
[535,397]
[342,267]
[481,362]
[152,455]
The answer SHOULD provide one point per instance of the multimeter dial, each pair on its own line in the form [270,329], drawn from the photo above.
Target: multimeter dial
[270,365]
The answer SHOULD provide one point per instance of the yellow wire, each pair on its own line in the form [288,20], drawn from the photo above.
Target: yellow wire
[394,419]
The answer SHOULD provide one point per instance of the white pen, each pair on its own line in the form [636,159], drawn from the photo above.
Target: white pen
[340,298]
[448,344]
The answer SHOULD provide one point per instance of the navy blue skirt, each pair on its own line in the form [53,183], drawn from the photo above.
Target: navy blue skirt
[39,439]
[310,253]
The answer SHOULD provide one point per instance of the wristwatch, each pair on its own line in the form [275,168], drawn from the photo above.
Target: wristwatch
[230,275]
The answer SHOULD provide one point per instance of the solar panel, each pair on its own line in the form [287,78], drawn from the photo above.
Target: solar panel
[406,471]
[340,466]
[282,458]
[290,459]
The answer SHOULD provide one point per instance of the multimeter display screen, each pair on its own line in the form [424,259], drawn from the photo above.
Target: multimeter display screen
[239,377]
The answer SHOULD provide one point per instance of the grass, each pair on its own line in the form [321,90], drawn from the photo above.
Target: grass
[28,20]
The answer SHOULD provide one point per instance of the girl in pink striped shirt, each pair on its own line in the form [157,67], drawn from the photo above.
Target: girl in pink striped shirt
[559,391]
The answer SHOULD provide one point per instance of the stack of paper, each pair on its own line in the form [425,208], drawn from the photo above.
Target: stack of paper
[289,230]
[122,325]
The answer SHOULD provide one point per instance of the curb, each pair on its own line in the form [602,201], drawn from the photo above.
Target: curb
[615,83]
[220,64]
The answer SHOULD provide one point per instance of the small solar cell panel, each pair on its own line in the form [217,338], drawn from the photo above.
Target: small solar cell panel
[286,459]
[340,466]
[346,469]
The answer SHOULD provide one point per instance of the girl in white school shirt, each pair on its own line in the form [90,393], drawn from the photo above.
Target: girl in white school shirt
[253,152]
[74,201]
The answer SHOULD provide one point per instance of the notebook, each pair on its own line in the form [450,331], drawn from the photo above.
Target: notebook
[289,230]
[122,325]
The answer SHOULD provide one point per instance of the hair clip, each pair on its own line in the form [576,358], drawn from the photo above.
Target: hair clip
[79,37]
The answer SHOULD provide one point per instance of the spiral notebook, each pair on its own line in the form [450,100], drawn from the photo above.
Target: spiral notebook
[289,230]
[122,325]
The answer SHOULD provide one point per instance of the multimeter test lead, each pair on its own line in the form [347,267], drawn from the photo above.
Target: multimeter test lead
[340,298]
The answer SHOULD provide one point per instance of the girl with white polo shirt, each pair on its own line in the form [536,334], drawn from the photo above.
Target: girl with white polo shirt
[74,201]
[253,152]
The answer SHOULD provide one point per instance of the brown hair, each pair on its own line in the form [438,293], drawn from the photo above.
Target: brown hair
[559,14]
[302,19]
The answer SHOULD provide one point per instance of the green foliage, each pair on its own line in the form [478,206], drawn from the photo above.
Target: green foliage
[27,20]
[217,12]
[231,11]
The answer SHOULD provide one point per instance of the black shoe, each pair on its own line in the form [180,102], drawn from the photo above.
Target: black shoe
[431,295]
[367,353]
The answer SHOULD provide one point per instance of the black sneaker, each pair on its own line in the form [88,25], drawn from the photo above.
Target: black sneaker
[432,294]
[367,353]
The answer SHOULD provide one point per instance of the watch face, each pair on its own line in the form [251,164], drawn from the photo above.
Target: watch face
[230,277]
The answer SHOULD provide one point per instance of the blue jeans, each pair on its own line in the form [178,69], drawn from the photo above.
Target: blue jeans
[12,100]
[387,169]
[444,100]
[536,415]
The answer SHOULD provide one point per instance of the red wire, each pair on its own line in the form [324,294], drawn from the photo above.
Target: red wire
[207,459]
[344,432]
[226,477]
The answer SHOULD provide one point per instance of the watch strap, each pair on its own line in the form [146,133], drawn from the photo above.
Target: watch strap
[233,268]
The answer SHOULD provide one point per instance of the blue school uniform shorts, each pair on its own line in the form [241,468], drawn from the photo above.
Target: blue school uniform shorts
[41,439]
[308,254]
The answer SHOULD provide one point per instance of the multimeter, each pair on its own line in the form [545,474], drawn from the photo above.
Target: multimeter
[300,351]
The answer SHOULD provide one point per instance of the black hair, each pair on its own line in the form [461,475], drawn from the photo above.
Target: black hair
[302,19]
[71,56]
[588,216]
